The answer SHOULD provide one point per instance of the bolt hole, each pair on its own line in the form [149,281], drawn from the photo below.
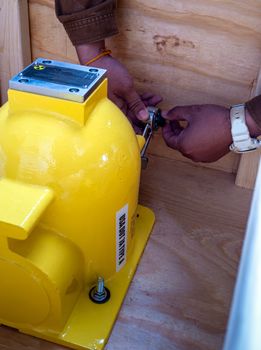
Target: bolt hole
[47,62]
[138,215]
[23,80]
[74,90]
[93,70]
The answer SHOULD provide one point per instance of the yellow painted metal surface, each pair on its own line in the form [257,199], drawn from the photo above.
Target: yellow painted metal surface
[69,174]
[22,207]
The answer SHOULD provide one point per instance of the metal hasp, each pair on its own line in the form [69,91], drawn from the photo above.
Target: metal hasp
[69,187]
[152,124]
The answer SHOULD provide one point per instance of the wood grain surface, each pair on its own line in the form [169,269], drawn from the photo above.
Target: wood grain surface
[15,52]
[248,166]
[190,52]
[180,296]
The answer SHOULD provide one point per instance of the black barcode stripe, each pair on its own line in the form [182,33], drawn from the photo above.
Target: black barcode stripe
[121,236]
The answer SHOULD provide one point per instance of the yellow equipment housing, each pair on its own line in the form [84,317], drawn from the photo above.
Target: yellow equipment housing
[69,213]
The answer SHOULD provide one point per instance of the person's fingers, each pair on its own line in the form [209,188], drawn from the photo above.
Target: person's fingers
[137,124]
[136,105]
[134,120]
[171,137]
[150,99]
[153,101]
[178,113]
[137,129]
[146,95]
[176,127]
[119,102]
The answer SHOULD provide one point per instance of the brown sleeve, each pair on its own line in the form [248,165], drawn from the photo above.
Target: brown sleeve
[87,21]
[254,108]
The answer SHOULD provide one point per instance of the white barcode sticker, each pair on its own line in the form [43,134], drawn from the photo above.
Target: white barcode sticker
[121,237]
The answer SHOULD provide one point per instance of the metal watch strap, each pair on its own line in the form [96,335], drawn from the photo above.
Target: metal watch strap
[242,141]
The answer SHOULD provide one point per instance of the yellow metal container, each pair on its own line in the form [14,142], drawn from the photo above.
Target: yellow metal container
[69,183]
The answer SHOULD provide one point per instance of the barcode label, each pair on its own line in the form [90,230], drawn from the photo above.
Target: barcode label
[121,237]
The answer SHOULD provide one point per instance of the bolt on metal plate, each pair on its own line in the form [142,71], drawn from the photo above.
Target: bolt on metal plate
[99,294]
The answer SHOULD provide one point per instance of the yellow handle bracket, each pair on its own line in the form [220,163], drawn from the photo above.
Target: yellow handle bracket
[21,206]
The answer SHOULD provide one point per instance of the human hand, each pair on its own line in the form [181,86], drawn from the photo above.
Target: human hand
[120,84]
[121,91]
[254,129]
[149,99]
[207,136]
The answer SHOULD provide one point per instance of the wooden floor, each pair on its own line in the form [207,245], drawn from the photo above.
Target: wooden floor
[180,296]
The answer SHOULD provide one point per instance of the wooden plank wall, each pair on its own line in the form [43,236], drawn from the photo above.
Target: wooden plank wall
[248,166]
[190,52]
[15,52]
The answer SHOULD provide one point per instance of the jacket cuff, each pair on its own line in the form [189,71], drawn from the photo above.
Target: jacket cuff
[254,108]
[90,25]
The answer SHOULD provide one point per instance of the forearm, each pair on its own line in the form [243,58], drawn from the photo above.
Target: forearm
[253,116]
[253,127]
[86,52]
[87,21]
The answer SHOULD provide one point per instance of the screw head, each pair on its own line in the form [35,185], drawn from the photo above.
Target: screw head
[23,80]
[75,90]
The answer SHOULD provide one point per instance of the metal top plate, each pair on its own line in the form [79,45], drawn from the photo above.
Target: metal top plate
[58,79]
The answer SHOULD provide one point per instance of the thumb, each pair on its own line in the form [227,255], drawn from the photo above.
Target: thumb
[136,105]
[170,137]
[178,113]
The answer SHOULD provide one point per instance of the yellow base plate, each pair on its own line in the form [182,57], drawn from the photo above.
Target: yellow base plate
[90,324]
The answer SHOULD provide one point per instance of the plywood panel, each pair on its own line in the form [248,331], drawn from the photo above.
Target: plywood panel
[190,52]
[248,166]
[15,52]
[180,296]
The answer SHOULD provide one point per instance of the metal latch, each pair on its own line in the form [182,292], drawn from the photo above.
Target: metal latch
[152,124]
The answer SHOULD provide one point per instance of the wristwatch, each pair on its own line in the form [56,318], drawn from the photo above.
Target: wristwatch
[242,141]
